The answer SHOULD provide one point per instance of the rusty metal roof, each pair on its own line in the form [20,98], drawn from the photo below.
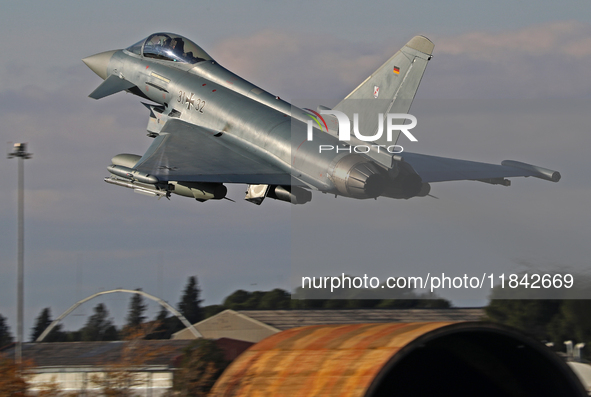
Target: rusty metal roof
[414,359]
[328,360]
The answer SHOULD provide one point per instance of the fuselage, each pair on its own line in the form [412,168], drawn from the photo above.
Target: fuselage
[210,96]
[212,127]
[247,118]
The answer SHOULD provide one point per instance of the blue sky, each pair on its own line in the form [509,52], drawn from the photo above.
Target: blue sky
[508,81]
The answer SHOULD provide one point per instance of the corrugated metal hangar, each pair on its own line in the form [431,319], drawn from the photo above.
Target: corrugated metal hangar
[416,359]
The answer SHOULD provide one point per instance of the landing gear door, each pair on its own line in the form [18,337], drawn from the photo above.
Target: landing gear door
[256,193]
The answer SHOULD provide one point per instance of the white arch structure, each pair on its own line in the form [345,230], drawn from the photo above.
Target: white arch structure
[129,291]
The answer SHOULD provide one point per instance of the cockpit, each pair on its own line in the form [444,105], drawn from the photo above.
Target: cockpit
[170,47]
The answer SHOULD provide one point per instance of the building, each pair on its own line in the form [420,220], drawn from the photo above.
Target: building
[256,325]
[147,365]
[399,359]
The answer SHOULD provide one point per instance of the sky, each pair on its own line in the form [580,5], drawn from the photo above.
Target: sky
[508,80]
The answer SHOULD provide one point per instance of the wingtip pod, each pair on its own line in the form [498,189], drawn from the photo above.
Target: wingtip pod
[126,159]
[538,172]
[422,44]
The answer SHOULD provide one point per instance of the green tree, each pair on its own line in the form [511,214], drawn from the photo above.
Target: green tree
[161,320]
[333,304]
[309,304]
[572,322]
[99,326]
[253,302]
[137,308]
[244,300]
[190,304]
[41,323]
[5,336]
[439,303]
[362,303]
[74,336]
[202,364]
[212,310]
[531,316]
[236,300]
[278,299]
[165,325]
[546,320]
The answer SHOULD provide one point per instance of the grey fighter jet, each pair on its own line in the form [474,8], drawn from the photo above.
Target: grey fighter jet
[211,127]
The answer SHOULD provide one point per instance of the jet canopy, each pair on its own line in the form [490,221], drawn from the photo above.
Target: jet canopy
[170,47]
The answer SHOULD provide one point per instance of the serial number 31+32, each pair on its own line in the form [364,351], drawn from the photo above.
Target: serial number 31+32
[197,103]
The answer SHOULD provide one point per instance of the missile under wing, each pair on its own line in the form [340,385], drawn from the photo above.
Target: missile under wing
[211,127]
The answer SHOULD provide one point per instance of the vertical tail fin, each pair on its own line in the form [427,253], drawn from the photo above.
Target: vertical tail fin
[391,88]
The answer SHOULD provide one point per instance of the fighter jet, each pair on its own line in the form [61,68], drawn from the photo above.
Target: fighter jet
[211,127]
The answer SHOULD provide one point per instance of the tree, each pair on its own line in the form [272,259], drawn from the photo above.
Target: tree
[437,303]
[190,303]
[277,299]
[5,336]
[212,310]
[572,323]
[99,326]
[161,322]
[137,307]
[531,316]
[309,304]
[164,325]
[236,300]
[546,320]
[43,321]
[202,364]
[253,302]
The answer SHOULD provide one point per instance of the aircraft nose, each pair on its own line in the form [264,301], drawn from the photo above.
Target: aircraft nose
[98,63]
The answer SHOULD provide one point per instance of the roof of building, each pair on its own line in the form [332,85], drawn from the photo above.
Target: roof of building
[286,319]
[398,359]
[229,324]
[162,352]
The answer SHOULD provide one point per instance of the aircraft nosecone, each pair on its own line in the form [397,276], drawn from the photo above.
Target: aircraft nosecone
[98,63]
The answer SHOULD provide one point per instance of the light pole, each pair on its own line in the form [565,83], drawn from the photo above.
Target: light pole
[20,151]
